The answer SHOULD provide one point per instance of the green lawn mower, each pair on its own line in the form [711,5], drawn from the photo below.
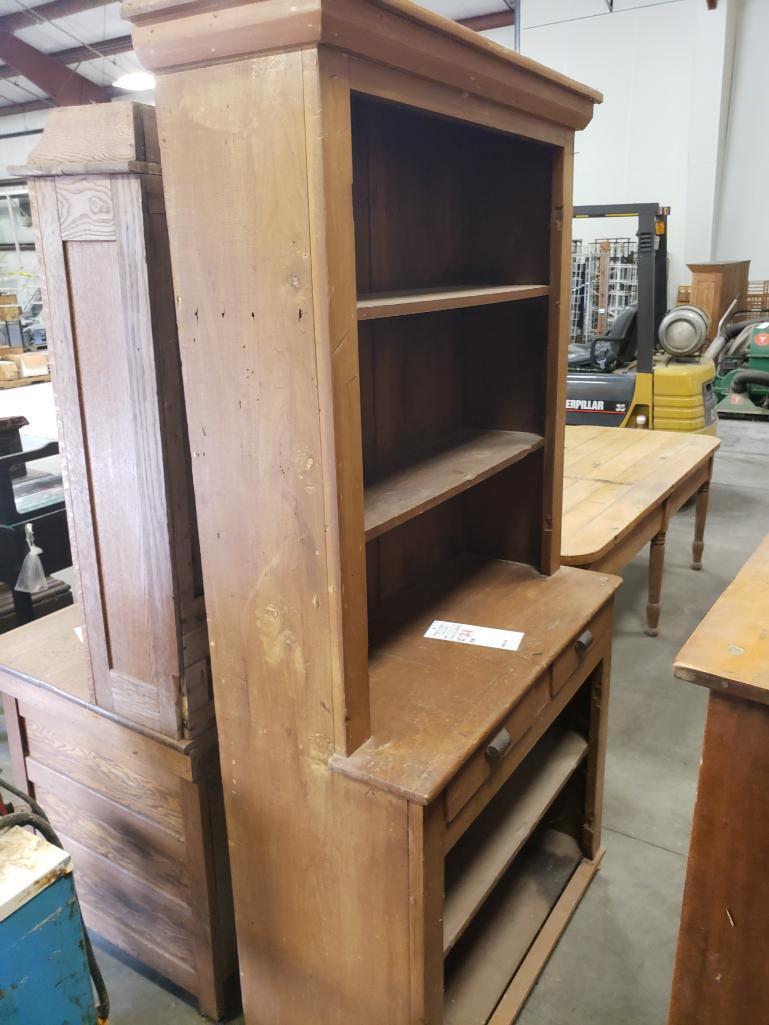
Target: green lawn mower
[742,371]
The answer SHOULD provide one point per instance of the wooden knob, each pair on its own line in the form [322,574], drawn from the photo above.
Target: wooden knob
[583,642]
[498,745]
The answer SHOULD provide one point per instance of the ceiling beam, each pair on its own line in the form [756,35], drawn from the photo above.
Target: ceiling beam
[8,109]
[76,54]
[47,12]
[64,86]
[482,22]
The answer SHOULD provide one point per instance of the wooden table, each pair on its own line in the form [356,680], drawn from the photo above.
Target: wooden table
[621,488]
[722,963]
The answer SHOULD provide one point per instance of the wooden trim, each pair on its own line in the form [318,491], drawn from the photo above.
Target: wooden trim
[531,968]
[329,169]
[557,344]
[404,87]
[171,36]
[426,863]
[212,899]
[61,344]
[596,761]
[17,742]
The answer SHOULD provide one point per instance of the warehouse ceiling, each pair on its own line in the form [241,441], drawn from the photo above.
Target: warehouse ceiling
[61,51]
[57,52]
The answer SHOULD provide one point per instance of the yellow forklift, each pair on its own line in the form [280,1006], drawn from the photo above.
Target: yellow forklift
[620,379]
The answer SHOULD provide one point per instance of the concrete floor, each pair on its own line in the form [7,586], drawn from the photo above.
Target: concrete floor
[614,963]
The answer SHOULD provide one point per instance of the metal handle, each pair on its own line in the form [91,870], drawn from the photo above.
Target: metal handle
[498,745]
[583,642]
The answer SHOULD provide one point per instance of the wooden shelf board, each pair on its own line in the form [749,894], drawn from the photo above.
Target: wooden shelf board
[530,969]
[466,459]
[433,702]
[375,306]
[481,968]
[487,850]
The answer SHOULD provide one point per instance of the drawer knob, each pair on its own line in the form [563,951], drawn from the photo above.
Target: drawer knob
[583,642]
[498,745]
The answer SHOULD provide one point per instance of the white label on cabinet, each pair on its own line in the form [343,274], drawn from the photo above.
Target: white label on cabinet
[464,633]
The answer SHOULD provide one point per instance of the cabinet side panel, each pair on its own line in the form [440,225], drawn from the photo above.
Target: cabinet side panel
[58,319]
[319,863]
[118,396]
[557,346]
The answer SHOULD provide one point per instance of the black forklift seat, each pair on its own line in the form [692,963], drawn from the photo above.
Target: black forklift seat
[618,348]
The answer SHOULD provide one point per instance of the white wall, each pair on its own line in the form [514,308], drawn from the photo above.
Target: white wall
[14,151]
[742,223]
[657,135]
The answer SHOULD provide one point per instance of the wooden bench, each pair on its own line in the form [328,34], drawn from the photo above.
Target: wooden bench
[621,488]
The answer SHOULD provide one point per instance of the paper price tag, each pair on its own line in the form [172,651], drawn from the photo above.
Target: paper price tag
[465,633]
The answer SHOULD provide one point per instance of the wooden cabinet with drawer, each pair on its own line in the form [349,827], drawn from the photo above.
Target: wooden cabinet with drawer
[501,784]
[393,317]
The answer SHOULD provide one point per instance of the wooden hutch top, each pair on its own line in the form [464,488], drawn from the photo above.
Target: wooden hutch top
[174,34]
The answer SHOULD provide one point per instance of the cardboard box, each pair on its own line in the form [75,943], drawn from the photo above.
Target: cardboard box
[30,364]
[8,370]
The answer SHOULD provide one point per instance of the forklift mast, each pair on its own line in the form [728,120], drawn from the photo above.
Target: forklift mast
[652,268]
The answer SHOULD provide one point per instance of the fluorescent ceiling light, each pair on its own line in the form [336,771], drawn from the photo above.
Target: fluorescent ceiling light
[135,81]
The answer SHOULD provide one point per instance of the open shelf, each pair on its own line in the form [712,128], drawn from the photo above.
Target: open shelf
[400,304]
[464,459]
[481,966]
[483,855]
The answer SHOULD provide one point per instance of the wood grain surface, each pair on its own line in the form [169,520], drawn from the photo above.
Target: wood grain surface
[434,701]
[613,479]
[729,650]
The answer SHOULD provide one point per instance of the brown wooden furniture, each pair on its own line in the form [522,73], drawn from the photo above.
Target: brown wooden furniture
[715,285]
[720,974]
[94,180]
[369,213]
[112,728]
[621,489]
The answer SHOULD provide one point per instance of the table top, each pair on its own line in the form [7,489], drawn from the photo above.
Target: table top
[729,650]
[614,477]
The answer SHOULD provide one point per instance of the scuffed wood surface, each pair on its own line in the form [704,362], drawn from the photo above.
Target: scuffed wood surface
[729,650]
[613,478]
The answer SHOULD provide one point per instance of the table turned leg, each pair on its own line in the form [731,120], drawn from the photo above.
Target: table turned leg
[656,565]
[700,515]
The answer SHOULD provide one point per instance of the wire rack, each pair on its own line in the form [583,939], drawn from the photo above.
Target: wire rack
[604,281]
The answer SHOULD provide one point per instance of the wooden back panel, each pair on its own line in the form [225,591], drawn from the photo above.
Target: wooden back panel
[117,381]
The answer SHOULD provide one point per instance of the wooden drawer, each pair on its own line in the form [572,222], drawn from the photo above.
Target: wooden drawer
[576,654]
[480,767]
[573,664]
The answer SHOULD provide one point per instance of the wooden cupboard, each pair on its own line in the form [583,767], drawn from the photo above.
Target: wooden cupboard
[716,285]
[94,180]
[369,213]
[108,703]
